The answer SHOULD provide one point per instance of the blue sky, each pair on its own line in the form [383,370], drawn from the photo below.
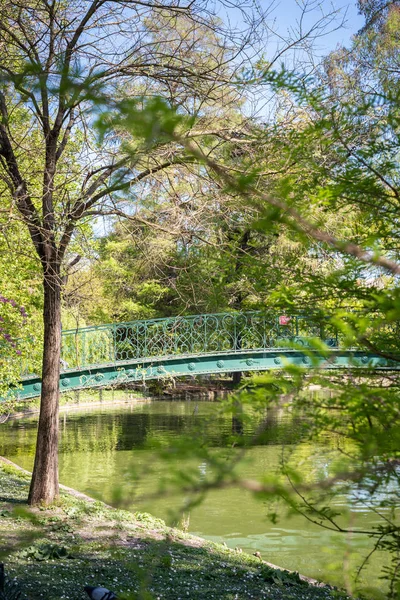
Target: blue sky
[284,18]
[287,14]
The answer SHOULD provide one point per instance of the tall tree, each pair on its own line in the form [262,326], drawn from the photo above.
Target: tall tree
[64,60]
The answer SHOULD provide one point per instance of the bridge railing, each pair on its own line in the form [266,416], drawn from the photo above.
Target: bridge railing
[189,335]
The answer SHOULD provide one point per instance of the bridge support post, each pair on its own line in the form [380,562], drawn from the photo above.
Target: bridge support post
[236,377]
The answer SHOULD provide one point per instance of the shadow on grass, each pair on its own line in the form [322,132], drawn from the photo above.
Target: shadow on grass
[12,500]
[159,569]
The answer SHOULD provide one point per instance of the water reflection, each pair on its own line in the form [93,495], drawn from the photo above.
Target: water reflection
[107,448]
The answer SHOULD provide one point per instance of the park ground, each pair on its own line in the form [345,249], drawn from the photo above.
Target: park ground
[53,552]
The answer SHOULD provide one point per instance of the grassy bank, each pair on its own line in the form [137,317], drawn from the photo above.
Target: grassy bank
[53,552]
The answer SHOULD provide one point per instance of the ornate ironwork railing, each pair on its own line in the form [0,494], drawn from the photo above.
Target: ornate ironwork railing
[190,335]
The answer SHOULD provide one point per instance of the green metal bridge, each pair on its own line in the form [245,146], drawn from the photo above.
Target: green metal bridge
[109,355]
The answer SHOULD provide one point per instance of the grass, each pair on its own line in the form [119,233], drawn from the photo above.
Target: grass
[53,552]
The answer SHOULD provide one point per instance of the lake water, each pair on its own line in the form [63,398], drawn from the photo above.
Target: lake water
[121,454]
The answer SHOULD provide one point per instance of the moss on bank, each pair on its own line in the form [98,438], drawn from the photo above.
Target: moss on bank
[53,552]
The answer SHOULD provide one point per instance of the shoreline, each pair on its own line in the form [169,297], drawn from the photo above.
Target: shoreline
[33,404]
[155,531]
[76,405]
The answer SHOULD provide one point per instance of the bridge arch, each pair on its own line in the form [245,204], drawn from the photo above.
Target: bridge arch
[172,347]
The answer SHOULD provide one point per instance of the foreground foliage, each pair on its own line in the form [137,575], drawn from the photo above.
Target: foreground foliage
[338,157]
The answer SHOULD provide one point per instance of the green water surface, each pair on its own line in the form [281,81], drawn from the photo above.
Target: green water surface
[110,452]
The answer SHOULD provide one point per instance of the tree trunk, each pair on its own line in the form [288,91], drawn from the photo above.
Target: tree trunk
[44,485]
[237,301]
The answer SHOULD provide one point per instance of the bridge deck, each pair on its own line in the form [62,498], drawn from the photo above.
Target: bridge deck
[199,344]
